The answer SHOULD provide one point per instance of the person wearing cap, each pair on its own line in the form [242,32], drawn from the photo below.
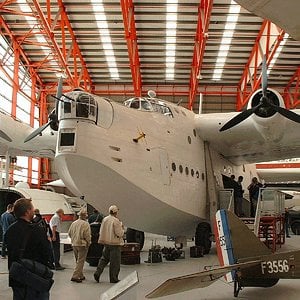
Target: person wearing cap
[80,234]
[111,236]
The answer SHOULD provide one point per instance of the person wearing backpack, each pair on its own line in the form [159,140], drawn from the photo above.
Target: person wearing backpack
[26,241]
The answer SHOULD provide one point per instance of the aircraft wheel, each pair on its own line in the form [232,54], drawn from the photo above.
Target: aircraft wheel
[203,236]
[295,226]
[135,236]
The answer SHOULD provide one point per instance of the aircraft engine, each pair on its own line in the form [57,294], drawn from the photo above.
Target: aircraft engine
[265,117]
[264,104]
[266,110]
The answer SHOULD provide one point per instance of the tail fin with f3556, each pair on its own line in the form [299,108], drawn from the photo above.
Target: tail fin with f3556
[244,260]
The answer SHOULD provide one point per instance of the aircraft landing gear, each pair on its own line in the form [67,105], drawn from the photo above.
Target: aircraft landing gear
[135,236]
[203,236]
[237,283]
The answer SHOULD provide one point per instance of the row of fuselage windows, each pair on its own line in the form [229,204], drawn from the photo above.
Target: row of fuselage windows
[187,171]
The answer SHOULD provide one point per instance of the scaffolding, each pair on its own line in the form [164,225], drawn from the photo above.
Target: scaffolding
[269,223]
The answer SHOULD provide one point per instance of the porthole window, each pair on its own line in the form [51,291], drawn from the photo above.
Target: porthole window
[194,132]
[180,169]
[197,174]
[173,166]
[186,170]
[203,176]
[189,139]
[192,172]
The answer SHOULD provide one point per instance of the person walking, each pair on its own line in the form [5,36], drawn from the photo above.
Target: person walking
[25,240]
[80,234]
[55,225]
[111,236]
[7,218]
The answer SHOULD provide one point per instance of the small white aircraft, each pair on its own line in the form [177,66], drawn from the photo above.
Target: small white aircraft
[160,163]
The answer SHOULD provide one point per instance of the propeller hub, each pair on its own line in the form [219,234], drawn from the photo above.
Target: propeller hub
[265,110]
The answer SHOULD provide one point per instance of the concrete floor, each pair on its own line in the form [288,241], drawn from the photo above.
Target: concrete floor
[151,276]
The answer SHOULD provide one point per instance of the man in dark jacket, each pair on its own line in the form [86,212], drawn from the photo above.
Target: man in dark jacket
[7,218]
[36,247]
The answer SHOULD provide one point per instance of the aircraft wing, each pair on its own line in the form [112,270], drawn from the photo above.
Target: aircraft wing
[196,280]
[253,140]
[284,14]
[16,131]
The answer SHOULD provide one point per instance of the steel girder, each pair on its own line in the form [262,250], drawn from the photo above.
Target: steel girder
[164,90]
[36,83]
[267,42]
[65,55]
[131,39]
[291,94]
[204,11]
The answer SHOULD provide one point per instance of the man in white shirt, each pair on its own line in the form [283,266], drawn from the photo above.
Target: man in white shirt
[80,234]
[55,224]
[111,236]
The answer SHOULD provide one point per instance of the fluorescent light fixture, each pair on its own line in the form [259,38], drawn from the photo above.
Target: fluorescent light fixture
[278,51]
[105,38]
[230,25]
[171,27]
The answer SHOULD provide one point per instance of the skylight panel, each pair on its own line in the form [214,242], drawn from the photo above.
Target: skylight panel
[228,32]
[171,27]
[105,38]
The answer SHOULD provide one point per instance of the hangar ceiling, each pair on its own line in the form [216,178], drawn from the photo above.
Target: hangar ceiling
[127,47]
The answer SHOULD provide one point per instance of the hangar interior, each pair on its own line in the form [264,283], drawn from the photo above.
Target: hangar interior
[122,49]
[182,50]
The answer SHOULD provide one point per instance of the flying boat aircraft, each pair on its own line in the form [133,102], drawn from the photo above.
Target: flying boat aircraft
[160,163]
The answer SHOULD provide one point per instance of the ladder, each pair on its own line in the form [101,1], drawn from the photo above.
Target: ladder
[269,218]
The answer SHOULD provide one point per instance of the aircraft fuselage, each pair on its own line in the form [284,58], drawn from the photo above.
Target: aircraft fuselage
[150,164]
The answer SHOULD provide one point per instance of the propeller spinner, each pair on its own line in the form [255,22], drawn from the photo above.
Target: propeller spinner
[265,108]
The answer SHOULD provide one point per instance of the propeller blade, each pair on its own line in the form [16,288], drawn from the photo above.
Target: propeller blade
[264,81]
[59,92]
[286,113]
[69,98]
[37,132]
[239,118]
[4,136]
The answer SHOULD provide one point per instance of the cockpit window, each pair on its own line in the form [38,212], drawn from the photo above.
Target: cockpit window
[149,104]
[145,104]
[86,106]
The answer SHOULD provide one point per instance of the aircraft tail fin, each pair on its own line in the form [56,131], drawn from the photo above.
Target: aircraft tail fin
[235,241]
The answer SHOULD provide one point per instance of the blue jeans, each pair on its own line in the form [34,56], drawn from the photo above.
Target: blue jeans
[27,293]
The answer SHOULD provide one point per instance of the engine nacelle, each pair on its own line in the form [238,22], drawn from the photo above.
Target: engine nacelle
[268,122]
[266,111]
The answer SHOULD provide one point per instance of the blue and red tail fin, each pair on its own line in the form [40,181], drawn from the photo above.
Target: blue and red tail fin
[234,240]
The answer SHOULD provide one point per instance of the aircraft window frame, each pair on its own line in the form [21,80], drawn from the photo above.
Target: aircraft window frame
[173,166]
[86,106]
[150,105]
[187,171]
[181,169]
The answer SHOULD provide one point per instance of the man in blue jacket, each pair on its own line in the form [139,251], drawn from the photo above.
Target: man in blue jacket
[7,218]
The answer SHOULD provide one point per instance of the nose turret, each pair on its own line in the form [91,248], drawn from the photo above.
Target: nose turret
[78,105]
